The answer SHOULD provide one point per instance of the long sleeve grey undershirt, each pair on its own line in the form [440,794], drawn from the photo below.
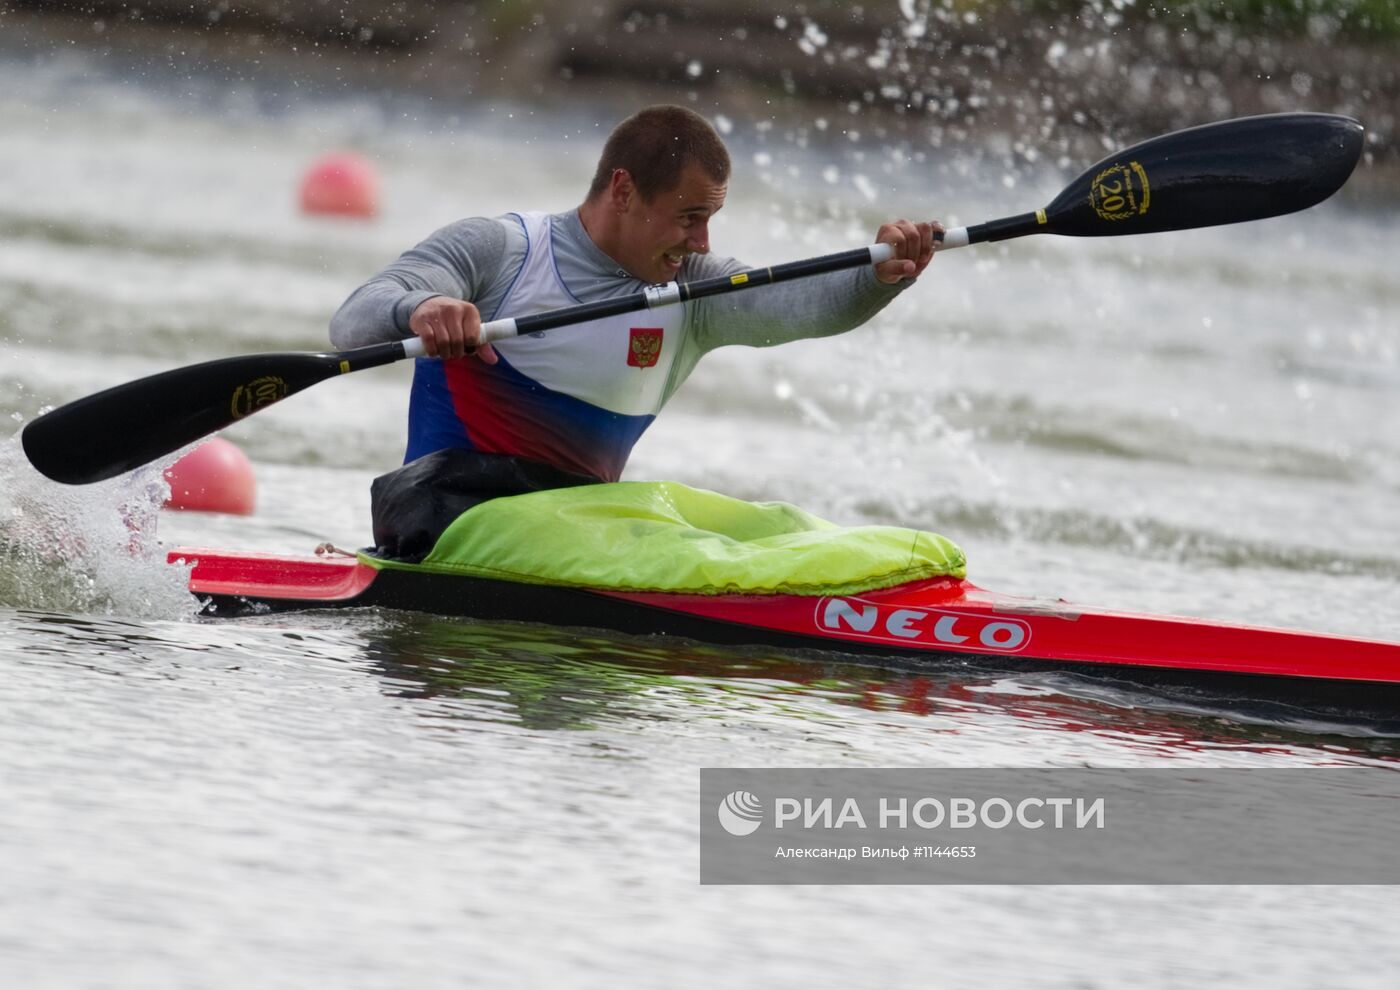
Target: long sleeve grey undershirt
[477,259]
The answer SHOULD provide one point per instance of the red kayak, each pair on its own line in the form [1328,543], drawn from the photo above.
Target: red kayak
[943,619]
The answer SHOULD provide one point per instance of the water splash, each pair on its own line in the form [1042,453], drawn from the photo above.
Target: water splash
[89,549]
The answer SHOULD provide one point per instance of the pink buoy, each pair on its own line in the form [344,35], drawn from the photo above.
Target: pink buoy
[214,477]
[341,183]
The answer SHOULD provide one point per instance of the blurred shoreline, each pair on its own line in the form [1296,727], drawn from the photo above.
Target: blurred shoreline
[1020,83]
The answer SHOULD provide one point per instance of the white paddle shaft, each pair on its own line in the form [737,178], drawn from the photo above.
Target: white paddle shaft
[955,238]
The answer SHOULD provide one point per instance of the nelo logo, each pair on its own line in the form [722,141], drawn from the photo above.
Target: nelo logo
[740,813]
[931,627]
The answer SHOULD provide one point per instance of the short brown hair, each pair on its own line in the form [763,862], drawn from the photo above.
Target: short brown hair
[655,145]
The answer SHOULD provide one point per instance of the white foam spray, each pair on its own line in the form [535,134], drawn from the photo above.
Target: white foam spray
[89,548]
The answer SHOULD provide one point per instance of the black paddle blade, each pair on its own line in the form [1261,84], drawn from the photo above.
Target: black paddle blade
[1236,170]
[104,435]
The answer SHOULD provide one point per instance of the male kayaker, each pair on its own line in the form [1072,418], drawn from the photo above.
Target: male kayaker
[567,406]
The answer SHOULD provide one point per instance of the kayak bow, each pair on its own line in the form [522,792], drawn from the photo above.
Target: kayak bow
[942,619]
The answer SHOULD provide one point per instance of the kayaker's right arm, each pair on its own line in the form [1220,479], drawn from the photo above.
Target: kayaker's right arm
[457,262]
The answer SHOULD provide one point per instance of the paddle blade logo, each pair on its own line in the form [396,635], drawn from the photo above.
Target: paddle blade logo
[644,348]
[249,398]
[740,813]
[1121,192]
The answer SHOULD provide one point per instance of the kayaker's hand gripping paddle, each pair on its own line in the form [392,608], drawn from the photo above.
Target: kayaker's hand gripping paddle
[1229,172]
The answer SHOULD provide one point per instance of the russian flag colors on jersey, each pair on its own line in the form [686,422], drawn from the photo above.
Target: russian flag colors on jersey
[577,398]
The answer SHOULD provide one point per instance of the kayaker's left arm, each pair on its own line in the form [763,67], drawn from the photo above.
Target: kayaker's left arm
[819,306]
[913,245]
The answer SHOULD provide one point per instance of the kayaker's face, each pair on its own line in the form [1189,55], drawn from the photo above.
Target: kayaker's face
[657,234]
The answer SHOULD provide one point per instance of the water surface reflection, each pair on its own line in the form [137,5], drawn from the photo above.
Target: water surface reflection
[549,679]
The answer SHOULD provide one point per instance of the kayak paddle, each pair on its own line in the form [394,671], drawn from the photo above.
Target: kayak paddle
[1236,170]
[1249,168]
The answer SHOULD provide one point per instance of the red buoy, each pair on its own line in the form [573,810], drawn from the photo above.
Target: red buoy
[214,477]
[341,183]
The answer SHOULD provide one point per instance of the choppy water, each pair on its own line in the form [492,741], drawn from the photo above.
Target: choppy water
[1199,423]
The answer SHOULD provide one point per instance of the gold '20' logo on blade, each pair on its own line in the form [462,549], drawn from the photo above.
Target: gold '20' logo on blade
[1121,192]
[264,391]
